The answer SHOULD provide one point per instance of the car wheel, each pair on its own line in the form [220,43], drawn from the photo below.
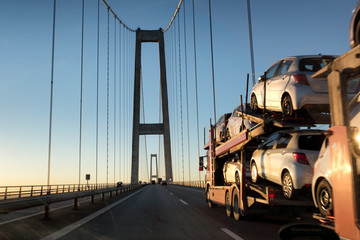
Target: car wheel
[324,198]
[287,107]
[237,179]
[228,137]
[235,204]
[254,173]
[253,104]
[357,34]
[228,207]
[208,200]
[287,186]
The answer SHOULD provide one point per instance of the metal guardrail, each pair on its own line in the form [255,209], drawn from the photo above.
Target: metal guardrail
[198,184]
[12,192]
[47,196]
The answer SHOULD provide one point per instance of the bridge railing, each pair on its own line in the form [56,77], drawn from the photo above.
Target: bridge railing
[13,192]
[198,184]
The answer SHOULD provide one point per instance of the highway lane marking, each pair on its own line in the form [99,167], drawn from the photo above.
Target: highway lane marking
[183,202]
[171,193]
[75,225]
[42,212]
[231,234]
[190,189]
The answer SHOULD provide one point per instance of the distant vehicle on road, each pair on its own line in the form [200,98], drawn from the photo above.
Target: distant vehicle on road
[287,158]
[354,32]
[119,184]
[164,182]
[152,181]
[289,86]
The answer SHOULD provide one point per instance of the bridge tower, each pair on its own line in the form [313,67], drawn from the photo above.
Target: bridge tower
[152,128]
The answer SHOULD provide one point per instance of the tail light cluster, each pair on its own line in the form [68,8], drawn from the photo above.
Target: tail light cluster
[301,79]
[301,158]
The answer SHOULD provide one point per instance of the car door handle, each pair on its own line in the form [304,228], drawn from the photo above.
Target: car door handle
[283,152]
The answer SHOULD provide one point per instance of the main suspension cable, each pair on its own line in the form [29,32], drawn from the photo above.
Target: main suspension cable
[120,21]
[174,16]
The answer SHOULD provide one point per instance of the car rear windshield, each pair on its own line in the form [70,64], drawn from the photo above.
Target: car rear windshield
[311,142]
[314,64]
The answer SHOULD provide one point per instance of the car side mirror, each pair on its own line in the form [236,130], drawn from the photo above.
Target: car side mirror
[261,78]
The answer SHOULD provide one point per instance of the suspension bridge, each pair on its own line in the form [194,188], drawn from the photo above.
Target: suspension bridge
[86,130]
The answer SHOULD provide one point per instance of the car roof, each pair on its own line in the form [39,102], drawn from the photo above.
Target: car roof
[311,56]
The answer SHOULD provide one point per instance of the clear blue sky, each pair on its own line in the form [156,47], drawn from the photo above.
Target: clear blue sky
[280,28]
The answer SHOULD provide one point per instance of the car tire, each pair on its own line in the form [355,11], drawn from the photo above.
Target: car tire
[235,204]
[253,104]
[324,198]
[287,185]
[237,179]
[357,34]
[286,106]
[228,137]
[254,173]
[228,206]
[208,200]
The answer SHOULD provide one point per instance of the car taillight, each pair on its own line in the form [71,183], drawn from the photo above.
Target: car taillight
[301,158]
[271,196]
[301,79]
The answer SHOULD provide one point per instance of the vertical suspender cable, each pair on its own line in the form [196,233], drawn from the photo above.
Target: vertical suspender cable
[251,43]
[107,101]
[51,95]
[114,96]
[130,103]
[196,86]
[120,102]
[181,113]
[81,86]
[212,64]
[176,106]
[97,96]
[143,110]
[187,92]
[126,109]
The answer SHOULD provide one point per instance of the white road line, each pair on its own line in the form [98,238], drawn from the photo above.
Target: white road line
[68,229]
[171,193]
[183,202]
[231,234]
[42,212]
[189,189]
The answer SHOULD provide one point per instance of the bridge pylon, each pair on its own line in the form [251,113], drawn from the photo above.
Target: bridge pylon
[152,128]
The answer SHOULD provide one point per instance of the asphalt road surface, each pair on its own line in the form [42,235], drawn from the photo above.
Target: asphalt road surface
[168,212]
